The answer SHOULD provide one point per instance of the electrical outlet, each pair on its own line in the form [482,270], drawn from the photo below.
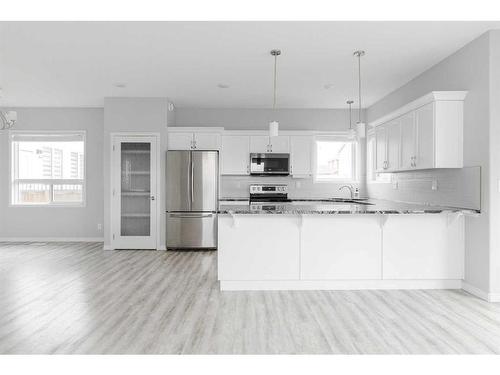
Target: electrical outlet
[99,227]
[395,185]
[434,185]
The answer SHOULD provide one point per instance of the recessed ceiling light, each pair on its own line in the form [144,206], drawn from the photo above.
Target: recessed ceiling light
[222,86]
[120,85]
[328,86]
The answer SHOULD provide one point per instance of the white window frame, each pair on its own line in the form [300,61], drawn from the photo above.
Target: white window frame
[355,159]
[51,182]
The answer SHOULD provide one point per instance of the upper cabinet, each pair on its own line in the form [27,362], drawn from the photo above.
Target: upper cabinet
[194,140]
[426,133]
[235,155]
[301,150]
[265,144]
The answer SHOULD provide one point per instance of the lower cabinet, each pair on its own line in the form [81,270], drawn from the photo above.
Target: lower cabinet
[258,247]
[341,247]
[423,247]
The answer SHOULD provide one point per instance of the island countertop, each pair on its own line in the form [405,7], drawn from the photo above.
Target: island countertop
[332,207]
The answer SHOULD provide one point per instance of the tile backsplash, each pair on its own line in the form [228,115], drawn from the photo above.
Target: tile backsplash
[447,187]
[238,187]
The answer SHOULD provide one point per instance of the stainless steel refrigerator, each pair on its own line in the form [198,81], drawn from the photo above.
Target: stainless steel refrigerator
[192,199]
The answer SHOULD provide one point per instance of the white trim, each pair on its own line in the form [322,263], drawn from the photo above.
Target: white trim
[340,133]
[156,141]
[417,103]
[51,239]
[475,291]
[162,248]
[83,181]
[355,159]
[194,129]
[338,284]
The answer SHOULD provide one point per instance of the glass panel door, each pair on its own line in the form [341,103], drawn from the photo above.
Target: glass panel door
[135,181]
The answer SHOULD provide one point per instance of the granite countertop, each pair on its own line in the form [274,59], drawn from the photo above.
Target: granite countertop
[331,207]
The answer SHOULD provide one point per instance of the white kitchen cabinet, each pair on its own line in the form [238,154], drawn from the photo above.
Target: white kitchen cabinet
[180,141]
[301,148]
[424,127]
[387,138]
[423,247]
[258,247]
[392,145]
[265,144]
[193,141]
[431,133]
[206,141]
[259,144]
[235,155]
[280,144]
[333,249]
[407,146]
[380,148]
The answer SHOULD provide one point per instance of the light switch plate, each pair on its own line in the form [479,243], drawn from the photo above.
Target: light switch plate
[297,184]
[395,185]
[434,185]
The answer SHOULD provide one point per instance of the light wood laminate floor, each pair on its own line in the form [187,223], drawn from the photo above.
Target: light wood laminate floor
[78,298]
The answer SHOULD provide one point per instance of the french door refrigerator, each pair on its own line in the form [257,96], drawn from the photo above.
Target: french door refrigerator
[192,199]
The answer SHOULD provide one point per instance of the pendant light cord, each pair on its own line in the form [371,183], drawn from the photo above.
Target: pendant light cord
[359,87]
[275,79]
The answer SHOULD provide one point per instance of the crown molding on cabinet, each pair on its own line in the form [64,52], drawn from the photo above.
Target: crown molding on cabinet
[433,96]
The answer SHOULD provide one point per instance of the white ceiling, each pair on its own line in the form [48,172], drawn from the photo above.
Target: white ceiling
[78,63]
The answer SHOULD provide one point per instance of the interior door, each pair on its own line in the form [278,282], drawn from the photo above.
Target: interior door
[135,174]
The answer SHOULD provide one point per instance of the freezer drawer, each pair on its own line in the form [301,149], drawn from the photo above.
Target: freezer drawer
[191,230]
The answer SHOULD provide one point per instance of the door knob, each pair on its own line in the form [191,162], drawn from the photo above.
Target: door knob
[152,197]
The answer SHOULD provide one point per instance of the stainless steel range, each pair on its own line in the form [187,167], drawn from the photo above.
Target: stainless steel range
[268,193]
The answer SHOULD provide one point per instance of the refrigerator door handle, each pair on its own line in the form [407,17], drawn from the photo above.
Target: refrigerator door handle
[192,180]
[188,215]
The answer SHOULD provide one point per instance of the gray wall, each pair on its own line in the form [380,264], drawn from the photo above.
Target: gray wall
[467,69]
[289,119]
[258,119]
[494,172]
[134,115]
[56,222]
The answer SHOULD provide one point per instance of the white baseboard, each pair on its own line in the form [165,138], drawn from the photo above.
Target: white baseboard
[339,284]
[51,239]
[108,247]
[475,291]
[162,248]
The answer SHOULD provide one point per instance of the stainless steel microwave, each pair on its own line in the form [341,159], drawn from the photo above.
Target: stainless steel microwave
[270,164]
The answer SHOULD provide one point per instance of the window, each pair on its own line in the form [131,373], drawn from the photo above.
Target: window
[335,159]
[48,168]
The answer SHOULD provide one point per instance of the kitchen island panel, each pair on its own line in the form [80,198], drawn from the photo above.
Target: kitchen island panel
[341,247]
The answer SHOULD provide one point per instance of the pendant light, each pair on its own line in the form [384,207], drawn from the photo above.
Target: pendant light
[274,125]
[352,132]
[360,126]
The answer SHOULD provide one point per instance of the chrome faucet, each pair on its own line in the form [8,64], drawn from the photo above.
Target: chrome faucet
[351,189]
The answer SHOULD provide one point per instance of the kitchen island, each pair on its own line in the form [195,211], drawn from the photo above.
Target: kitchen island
[340,245]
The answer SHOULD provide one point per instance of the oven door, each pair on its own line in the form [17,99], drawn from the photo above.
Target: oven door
[270,164]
